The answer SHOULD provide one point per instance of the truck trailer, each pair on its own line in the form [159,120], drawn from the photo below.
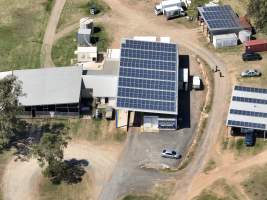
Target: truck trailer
[174,11]
[160,8]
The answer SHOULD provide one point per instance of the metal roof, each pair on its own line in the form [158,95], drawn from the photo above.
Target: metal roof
[102,85]
[220,18]
[110,67]
[248,108]
[148,77]
[58,85]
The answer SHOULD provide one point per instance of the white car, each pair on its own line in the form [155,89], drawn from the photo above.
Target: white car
[250,73]
[167,153]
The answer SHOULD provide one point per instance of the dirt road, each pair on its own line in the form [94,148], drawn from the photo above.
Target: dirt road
[21,178]
[46,50]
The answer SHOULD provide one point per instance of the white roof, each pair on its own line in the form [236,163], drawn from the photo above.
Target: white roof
[165,39]
[225,36]
[86,20]
[196,80]
[146,38]
[243,109]
[102,85]
[86,50]
[113,54]
[84,31]
[173,8]
[170,2]
[47,86]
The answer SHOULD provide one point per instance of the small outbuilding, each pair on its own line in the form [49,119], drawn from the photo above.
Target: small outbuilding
[218,20]
[256,45]
[226,40]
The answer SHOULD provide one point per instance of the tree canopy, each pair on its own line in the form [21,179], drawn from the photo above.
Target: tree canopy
[10,90]
[257,9]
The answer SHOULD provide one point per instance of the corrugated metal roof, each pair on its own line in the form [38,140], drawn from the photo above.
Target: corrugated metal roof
[255,42]
[250,107]
[102,85]
[225,36]
[58,85]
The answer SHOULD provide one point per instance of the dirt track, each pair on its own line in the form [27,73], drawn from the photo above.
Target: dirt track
[46,50]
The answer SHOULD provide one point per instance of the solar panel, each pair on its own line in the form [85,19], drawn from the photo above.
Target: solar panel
[246,124]
[220,17]
[248,113]
[148,77]
[249,100]
[250,89]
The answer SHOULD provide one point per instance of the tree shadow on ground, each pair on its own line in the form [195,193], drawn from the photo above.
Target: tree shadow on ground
[71,172]
[28,134]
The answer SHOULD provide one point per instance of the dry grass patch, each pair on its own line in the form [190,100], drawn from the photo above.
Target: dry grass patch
[79,191]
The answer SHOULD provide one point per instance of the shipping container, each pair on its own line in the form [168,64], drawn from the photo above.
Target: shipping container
[256,45]
[226,40]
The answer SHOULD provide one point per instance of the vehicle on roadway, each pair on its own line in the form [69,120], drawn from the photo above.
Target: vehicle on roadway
[167,153]
[250,73]
[251,56]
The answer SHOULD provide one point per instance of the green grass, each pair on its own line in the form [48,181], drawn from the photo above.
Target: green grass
[256,185]
[76,9]
[79,191]
[63,50]
[22,26]
[49,5]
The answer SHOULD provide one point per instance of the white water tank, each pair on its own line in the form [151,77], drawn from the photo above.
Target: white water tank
[244,36]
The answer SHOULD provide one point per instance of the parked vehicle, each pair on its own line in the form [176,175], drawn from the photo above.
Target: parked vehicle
[93,10]
[167,153]
[196,83]
[250,139]
[250,73]
[251,56]
[175,11]
[160,8]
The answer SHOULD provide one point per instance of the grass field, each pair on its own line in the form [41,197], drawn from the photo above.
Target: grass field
[63,50]
[79,191]
[22,26]
[76,9]
[256,185]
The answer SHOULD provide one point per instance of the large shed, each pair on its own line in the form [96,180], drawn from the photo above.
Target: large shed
[50,91]
[219,20]
[248,108]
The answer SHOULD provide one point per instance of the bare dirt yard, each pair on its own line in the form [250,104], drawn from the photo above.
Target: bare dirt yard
[21,179]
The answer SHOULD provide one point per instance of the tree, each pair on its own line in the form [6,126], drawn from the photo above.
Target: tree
[257,9]
[50,150]
[10,90]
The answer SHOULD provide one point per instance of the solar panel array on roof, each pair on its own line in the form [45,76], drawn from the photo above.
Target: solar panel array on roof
[148,77]
[220,17]
[248,108]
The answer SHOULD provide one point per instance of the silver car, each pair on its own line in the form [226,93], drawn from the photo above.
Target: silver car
[167,153]
[250,73]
